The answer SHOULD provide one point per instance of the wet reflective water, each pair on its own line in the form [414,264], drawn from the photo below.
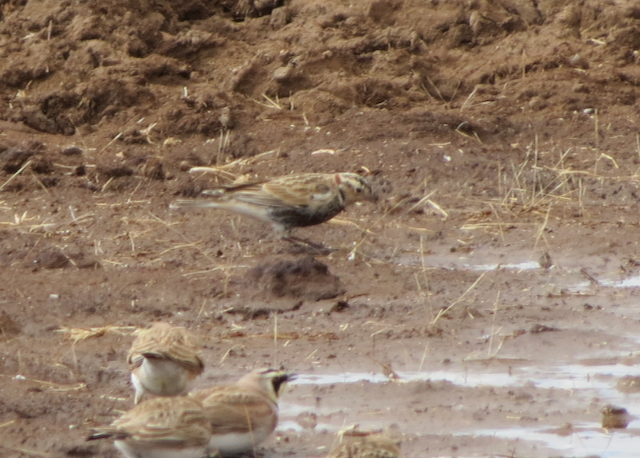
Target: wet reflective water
[525,265]
[585,440]
[629,282]
[584,382]
[568,377]
[477,263]
[484,263]
[588,385]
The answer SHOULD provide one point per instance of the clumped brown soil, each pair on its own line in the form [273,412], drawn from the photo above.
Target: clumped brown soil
[497,133]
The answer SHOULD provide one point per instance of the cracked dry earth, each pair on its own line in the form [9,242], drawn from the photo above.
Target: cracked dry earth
[487,306]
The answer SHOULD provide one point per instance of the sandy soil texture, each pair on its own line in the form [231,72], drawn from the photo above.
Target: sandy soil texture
[485,306]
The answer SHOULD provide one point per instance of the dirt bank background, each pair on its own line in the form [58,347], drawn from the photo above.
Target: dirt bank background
[497,132]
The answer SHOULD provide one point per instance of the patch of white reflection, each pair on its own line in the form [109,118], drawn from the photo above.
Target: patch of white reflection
[585,382]
[568,377]
[526,265]
[344,377]
[292,425]
[465,263]
[629,282]
[585,440]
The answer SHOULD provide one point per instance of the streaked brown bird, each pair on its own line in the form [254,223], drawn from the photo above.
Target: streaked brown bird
[291,201]
[373,446]
[164,360]
[172,427]
[244,414]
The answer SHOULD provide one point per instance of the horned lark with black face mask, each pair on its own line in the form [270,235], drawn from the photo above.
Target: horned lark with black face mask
[291,201]
[244,414]
[171,427]
[164,360]
[373,446]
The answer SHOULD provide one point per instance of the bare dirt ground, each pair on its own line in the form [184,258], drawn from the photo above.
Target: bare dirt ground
[487,306]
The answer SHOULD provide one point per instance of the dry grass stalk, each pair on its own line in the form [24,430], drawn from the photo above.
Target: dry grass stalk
[51,385]
[543,226]
[367,231]
[8,423]
[19,221]
[331,152]
[443,312]
[275,340]
[223,144]
[221,169]
[440,96]
[355,431]
[189,243]
[18,172]
[224,269]
[493,332]
[40,183]
[270,103]
[469,98]
[491,225]
[424,357]
[531,194]
[114,139]
[276,336]
[26,451]
[421,201]
[229,351]
[79,334]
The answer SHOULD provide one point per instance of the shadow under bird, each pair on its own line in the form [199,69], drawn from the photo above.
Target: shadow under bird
[291,201]
[243,415]
[164,360]
[171,427]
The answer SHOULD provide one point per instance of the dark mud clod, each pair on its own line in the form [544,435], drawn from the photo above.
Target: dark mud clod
[305,278]
[8,327]
[540,328]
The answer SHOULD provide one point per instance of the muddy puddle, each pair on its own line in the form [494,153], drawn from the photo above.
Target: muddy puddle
[583,384]
[586,439]
[568,390]
[479,263]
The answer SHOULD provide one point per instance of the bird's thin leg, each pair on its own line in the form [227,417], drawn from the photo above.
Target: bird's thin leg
[309,246]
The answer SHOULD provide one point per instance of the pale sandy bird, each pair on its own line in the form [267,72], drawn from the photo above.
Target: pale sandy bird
[164,360]
[374,446]
[291,201]
[170,427]
[244,414]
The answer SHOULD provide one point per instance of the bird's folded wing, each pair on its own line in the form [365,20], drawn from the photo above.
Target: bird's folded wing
[188,434]
[236,413]
[179,426]
[301,195]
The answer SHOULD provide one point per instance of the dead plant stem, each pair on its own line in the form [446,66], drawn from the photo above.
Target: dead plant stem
[443,312]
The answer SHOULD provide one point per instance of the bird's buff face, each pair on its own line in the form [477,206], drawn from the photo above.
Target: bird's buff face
[355,188]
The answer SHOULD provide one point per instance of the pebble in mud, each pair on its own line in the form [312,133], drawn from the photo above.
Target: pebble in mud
[629,384]
[8,326]
[307,420]
[614,417]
